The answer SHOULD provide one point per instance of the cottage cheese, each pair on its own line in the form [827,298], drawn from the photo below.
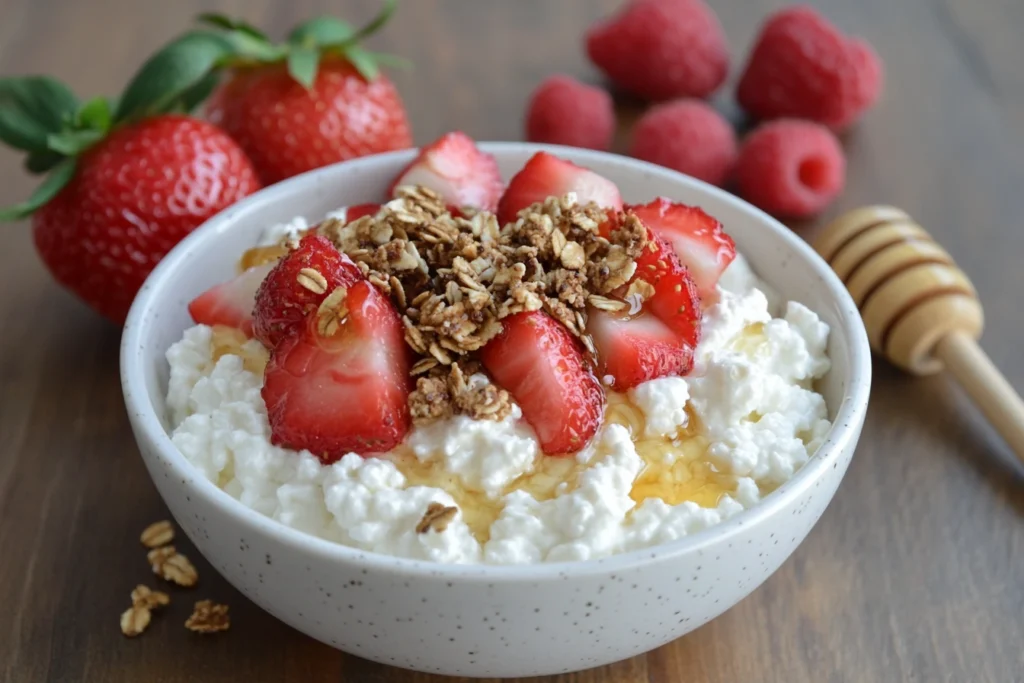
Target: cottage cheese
[751,394]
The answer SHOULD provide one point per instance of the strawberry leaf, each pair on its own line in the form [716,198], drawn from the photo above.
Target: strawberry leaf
[194,96]
[41,162]
[385,59]
[302,65]
[378,21]
[228,24]
[321,31]
[53,184]
[95,115]
[363,61]
[73,142]
[163,80]
[31,108]
[21,131]
[45,99]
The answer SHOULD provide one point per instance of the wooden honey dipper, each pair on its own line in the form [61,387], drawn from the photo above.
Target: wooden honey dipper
[919,309]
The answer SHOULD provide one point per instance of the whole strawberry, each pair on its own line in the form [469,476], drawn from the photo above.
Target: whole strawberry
[315,100]
[125,184]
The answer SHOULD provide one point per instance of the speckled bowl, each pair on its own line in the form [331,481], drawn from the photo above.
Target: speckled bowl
[488,620]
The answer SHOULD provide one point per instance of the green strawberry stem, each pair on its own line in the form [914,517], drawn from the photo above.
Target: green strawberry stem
[306,46]
[43,118]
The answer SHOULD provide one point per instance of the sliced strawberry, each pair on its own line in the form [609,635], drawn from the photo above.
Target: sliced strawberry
[230,303]
[283,302]
[457,170]
[634,350]
[540,363]
[697,238]
[658,333]
[675,300]
[545,175]
[344,393]
[359,210]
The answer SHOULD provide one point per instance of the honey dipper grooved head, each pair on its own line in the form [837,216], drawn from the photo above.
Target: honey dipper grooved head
[909,291]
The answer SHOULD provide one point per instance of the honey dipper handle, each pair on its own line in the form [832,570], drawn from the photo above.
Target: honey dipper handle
[986,385]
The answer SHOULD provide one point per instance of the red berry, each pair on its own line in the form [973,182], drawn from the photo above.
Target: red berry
[660,49]
[634,350]
[230,303]
[697,239]
[545,175]
[791,168]
[134,195]
[359,210]
[804,67]
[288,295]
[457,170]
[287,129]
[540,364]
[344,392]
[563,111]
[658,334]
[688,136]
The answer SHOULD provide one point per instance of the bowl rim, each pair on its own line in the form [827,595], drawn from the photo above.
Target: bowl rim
[848,420]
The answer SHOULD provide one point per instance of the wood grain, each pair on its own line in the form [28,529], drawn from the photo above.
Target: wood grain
[914,573]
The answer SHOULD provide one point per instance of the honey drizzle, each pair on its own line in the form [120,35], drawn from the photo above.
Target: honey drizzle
[676,468]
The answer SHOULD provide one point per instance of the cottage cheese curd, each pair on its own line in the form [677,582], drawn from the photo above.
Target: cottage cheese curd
[675,455]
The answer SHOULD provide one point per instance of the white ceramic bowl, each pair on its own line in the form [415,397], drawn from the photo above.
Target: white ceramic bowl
[482,620]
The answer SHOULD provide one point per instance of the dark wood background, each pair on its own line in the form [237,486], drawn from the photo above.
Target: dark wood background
[916,571]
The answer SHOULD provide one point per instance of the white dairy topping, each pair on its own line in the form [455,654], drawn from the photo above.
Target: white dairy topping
[750,391]
[663,403]
[484,455]
[280,232]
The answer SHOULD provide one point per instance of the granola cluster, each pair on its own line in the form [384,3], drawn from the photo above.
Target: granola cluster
[453,278]
[172,566]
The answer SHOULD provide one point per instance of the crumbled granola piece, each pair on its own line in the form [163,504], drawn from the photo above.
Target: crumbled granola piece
[157,534]
[332,312]
[172,566]
[631,235]
[135,620]
[605,304]
[143,596]
[437,517]
[572,256]
[312,279]
[477,397]
[208,617]
[430,400]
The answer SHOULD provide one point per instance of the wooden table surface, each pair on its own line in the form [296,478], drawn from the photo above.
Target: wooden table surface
[916,571]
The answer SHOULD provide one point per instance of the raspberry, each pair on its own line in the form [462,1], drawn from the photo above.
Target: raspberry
[803,67]
[688,136]
[791,168]
[660,49]
[564,111]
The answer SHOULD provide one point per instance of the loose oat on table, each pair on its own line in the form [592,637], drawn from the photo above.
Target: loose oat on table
[157,534]
[437,517]
[135,620]
[171,565]
[208,617]
[144,596]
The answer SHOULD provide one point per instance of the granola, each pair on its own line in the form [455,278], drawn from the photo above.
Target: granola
[157,534]
[454,277]
[208,617]
[437,517]
[171,565]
